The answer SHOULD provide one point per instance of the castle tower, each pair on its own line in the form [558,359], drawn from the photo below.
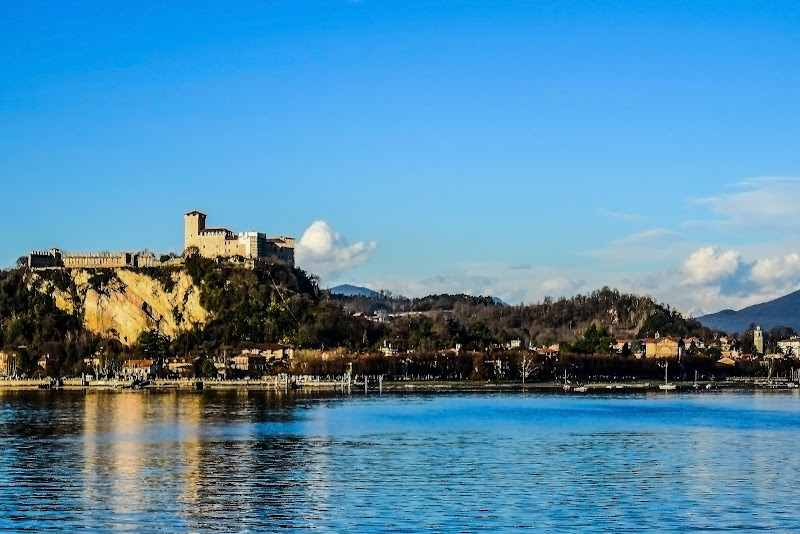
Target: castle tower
[758,340]
[194,222]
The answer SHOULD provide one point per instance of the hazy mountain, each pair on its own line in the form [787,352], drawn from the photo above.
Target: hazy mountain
[694,313]
[783,311]
[349,290]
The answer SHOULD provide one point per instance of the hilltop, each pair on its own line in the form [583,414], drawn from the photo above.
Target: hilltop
[440,320]
[349,290]
[202,307]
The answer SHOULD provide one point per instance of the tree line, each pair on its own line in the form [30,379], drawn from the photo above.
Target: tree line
[275,302]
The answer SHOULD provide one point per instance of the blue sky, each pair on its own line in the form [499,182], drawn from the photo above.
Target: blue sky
[517,149]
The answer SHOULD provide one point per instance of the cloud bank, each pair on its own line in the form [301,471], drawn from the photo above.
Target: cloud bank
[710,264]
[560,285]
[324,252]
[757,205]
[741,247]
[776,271]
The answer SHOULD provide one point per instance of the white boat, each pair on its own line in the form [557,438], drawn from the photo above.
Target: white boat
[666,386]
[576,389]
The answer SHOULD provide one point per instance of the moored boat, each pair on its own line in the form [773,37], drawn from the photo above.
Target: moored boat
[667,386]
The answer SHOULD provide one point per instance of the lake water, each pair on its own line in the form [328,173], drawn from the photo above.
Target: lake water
[256,461]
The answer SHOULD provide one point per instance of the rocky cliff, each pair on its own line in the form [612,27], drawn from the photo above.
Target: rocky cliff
[122,303]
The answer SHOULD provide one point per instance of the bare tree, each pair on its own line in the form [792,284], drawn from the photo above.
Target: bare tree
[526,365]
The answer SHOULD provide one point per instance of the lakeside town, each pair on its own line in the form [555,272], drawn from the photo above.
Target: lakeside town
[134,319]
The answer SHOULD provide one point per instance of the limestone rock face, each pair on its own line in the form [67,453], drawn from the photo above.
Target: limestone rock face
[131,302]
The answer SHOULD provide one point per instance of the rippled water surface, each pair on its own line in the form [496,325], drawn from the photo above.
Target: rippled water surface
[255,461]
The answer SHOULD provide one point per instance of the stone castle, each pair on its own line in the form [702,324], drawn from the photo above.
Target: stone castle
[197,239]
[215,242]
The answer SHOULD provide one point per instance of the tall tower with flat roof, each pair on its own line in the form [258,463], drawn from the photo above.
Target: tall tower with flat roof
[758,340]
[194,222]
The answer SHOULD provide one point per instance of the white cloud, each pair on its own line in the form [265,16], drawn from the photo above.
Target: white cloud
[649,249]
[709,264]
[769,271]
[629,217]
[757,205]
[655,237]
[324,252]
[560,285]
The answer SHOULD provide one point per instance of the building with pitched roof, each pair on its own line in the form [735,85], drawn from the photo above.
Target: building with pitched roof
[663,346]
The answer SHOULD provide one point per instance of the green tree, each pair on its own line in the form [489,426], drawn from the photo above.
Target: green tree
[203,367]
[152,345]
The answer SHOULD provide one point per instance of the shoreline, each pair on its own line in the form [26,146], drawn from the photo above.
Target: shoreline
[442,386]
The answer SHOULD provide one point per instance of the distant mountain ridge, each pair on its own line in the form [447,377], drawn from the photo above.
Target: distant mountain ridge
[783,311]
[350,290]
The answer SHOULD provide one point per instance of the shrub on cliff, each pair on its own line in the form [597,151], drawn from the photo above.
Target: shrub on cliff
[28,316]
[273,302]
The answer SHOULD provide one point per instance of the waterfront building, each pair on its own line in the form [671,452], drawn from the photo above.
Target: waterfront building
[261,357]
[8,363]
[270,351]
[180,366]
[619,345]
[222,366]
[699,344]
[388,350]
[552,350]
[45,360]
[93,362]
[727,346]
[663,346]
[790,347]
[250,362]
[139,369]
